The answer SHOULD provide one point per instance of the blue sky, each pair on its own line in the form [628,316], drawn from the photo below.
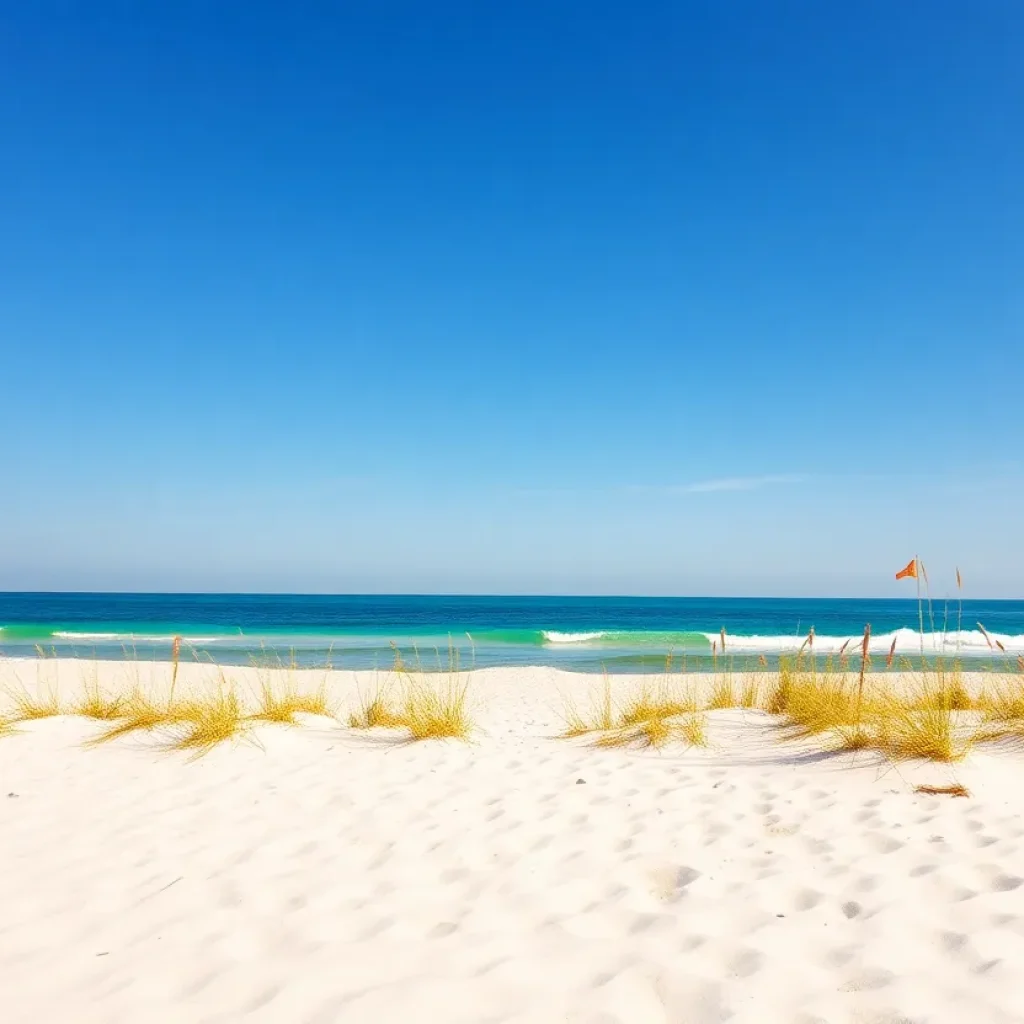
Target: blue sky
[692,298]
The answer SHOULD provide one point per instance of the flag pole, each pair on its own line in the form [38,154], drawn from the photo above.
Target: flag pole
[863,669]
[920,607]
[959,609]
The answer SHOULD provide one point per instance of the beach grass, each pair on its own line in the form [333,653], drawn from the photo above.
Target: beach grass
[750,692]
[926,714]
[1004,702]
[376,709]
[1002,710]
[813,702]
[598,716]
[43,700]
[435,706]
[652,714]
[99,706]
[658,730]
[432,711]
[141,712]
[196,723]
[281,704]
[929,733]
[723,694]
[30,705]
[649,702]
[278,695]
[427,706]
[214,719]
[95,702]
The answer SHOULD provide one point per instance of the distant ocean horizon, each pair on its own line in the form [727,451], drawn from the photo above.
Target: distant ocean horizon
[617,634]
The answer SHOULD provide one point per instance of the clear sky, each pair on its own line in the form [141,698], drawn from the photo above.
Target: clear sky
[694,298]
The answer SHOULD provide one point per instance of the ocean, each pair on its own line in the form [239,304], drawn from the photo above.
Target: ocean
[617,634]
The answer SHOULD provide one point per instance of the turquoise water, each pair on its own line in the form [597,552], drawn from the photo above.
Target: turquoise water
[617,633]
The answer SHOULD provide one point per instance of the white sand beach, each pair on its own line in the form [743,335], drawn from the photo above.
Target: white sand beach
[320,874]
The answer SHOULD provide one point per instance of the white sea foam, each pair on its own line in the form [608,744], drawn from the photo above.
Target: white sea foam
[191,640]
[908,641]
[137,638]
[70,634]
[552,636]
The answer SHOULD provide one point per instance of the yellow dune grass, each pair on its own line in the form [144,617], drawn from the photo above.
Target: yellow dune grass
[426,705]
[26,705]
[196,723]
[95,702]
[927,714]
[652,714]
[281,703]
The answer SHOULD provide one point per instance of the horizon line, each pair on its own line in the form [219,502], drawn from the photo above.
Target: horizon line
[482,594]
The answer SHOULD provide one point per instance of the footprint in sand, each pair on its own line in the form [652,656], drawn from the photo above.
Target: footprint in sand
[1006,883]
[869,980]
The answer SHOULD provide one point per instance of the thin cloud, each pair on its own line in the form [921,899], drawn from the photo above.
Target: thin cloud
[734,483]
[741,483]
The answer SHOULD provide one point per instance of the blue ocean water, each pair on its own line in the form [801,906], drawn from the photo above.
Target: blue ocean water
[584,633]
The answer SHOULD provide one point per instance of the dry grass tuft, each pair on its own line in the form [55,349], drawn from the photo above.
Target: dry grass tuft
[28,707]
[777,698]
[924,725]
[140,713]
[954,790]
[858,736]
[598,718]
[429,706]
[688,728]
[750,693]
[197,724]
[95,703]
[42,701]
[433,711]
[652,702]
[693,730]
[652,732]
[209,721]
[376,710]
[942,688]
[927,720]
[100,706]
[814,703]
[1002,711]
[281,706]
[653,715]
[1004,703]
[722,695]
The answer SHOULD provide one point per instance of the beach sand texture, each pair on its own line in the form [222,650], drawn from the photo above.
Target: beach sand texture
[322,874]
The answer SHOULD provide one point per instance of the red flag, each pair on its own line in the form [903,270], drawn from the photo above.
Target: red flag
[909,570]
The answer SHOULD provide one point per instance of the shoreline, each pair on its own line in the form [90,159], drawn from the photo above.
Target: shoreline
[71,669]
[576,662]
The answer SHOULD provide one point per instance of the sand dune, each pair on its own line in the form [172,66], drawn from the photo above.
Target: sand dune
[320,874]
